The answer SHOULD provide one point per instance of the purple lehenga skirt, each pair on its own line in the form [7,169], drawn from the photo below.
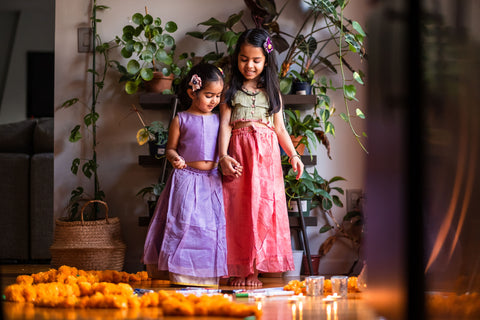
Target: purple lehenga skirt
[186,236]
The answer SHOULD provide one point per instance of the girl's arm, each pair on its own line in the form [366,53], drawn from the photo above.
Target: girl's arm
[287,144]
[230,166]
[171,151]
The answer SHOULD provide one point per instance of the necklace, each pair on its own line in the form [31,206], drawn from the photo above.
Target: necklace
[252,94]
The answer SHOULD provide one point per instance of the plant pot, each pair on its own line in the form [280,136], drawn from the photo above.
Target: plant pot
[297,261]
[306,205]
[159,83]
[299,147]
[301,88]
[315,265]
[151,207]
[156,150]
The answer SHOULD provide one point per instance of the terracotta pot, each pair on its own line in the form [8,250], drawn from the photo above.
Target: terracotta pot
[315,265]
[300,147]
[159,83]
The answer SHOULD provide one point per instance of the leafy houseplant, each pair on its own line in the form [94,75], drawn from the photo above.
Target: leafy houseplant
[321,43]
[220,33]
[151,194]
[150,48]
[304,129]
[155,134]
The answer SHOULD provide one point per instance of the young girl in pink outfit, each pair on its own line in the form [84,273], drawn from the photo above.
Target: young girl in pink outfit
[186,238]
[251,128]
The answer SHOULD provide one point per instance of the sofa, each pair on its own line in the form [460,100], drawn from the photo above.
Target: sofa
[26,190]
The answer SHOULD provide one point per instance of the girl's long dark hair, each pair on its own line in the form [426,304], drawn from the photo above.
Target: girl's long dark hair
[268,77]
[206,72]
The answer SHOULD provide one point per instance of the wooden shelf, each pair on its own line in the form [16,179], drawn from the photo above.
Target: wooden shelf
[150,161]
[299,102]
[309,222]
[157,101]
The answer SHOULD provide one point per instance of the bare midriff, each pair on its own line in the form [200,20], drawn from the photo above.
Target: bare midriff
[243,124]
[202,165]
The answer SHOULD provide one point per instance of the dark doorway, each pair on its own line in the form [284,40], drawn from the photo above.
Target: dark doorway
[40,84]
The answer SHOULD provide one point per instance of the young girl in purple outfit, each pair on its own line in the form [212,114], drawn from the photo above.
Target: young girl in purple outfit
[186,240]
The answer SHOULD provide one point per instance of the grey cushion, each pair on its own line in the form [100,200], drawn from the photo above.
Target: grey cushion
[43,136]
[17,136]
[14,203]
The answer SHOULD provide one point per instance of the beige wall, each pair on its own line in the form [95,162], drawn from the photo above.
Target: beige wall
[120,175]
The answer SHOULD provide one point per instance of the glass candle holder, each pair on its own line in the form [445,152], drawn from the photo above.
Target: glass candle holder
[340,286]
[314,285]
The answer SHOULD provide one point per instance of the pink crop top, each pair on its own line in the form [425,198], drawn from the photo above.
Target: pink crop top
[249,106]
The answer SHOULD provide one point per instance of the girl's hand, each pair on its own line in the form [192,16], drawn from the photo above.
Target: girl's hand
[178,162]
[230,167]
[297,166]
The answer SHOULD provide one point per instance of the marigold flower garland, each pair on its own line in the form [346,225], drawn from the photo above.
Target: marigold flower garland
[69,287]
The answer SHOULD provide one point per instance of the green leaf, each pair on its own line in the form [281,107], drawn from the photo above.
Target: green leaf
[148,19]
[344,117]
[163,57]
[69,103]
[137,18]
[146,55]
[286,85]
[360,113]
[233,19]
[171,27]
[211,22]
[357,77]
[74,167]
[133,66]
[327,204]
[87,169]
[325,228]
[91,118]
[75,134]
[195,34]
[350,91]
[168,40]
[131,87]
[358,28]
[146,74]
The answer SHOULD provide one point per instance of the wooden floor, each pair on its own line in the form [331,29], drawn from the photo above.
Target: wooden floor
[277,308]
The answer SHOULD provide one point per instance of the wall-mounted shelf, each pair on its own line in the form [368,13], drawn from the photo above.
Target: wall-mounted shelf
[299,102]
[153,100]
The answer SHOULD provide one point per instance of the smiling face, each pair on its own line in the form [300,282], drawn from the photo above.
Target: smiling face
[251,61]
[204,100]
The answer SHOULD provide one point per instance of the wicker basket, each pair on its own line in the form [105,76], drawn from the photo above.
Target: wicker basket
[88,245]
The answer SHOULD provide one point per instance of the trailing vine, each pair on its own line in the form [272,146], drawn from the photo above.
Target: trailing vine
[89,166]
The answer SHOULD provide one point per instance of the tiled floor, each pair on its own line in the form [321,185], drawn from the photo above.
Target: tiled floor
[281,307]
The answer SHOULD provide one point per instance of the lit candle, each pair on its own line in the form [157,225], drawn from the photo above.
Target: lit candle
[329,312]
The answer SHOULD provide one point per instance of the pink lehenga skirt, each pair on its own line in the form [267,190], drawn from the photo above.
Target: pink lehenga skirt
[186,236]
[255,205]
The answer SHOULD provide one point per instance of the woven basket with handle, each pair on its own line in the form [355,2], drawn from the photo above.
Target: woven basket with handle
[88,245]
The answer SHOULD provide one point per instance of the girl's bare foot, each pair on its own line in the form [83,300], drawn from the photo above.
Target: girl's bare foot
[252,281]
[237,281]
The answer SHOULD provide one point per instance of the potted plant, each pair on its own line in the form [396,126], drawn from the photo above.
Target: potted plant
[151,195]
[302,130]
[222,33]
[150,48]
[155,134]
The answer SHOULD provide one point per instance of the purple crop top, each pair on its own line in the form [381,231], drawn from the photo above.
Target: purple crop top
[198,137]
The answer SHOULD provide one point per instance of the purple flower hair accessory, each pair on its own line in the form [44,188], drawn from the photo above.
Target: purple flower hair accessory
[268,45]
[195,82]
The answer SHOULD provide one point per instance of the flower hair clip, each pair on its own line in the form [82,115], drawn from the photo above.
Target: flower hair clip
[268,45]
[195,82]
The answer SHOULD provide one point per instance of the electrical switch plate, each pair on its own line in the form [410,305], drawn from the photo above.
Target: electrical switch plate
[85,40]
